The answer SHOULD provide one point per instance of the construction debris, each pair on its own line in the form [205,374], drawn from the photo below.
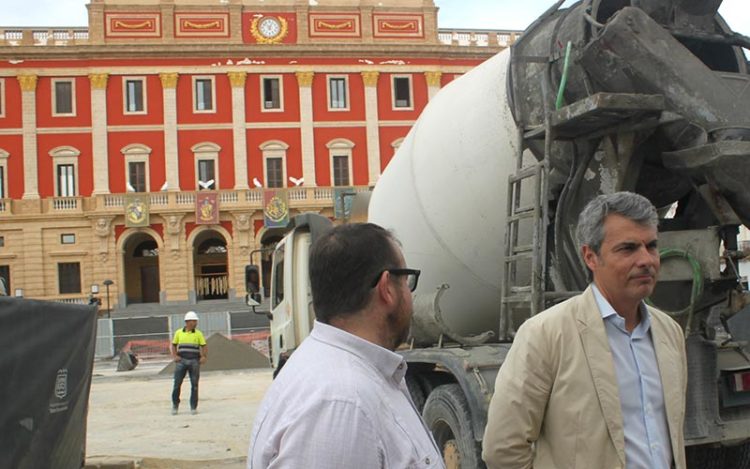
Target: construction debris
[227,354]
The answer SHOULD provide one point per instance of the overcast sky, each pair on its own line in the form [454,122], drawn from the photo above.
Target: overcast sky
[481,14]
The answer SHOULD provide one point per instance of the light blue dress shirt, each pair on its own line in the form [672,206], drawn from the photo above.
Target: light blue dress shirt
[647,443]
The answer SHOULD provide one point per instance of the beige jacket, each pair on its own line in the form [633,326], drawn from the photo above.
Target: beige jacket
[557,389]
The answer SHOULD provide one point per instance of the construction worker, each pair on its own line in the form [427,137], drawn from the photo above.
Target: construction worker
[189,352]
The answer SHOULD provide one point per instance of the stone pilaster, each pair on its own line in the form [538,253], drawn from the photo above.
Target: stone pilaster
[433,83]
[99,132]
[370,80]
[169,84]
[304,79]
[28,118]
[239,134]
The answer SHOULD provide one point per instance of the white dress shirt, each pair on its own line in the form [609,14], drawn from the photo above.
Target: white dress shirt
[647,444]
[340,402]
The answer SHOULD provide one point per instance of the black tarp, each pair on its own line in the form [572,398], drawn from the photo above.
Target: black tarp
[45,371]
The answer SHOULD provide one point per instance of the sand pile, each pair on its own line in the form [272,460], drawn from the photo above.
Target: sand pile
[227,354]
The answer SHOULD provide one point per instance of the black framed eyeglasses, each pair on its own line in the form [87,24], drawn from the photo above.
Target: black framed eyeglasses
[412,277]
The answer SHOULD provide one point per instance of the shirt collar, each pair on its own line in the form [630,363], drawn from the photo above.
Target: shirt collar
[390,364]
[609,313]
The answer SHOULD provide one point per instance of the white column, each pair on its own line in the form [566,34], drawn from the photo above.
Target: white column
[304,79]
[239,133]
[169,85]
[28,117]
[99,132]
[370,80]
[433,83]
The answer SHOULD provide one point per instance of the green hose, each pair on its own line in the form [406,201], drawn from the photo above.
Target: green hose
[695,291]
[564,79]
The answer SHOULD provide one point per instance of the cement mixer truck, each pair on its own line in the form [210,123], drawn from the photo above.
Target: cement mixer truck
[650,96]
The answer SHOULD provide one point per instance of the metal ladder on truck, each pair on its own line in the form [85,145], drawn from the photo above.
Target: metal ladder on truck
[595,116]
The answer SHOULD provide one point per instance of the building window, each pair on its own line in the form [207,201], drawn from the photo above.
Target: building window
[340,153]
[2,97]
[69,277]
[402,94]
[206,175]
[5,280]
[136,167]
[63,97]
[66,180]
[66,171]
[203,94]
[340,170]
[206,164]
[275,172]
[274,163]
[2,241]
[3,173]
[338,99]
[68,238]
[135,95]
[271,93]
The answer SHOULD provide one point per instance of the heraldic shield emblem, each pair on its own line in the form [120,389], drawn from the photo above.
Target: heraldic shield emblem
[276,209]
[136,211]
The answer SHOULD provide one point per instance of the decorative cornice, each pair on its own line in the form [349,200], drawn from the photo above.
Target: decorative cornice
[27,82]
[98,81]
[370,78]
[433,78]
[237,79]
[169,80]
[305,78]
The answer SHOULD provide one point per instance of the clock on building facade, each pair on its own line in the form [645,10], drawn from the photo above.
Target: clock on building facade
[269,29]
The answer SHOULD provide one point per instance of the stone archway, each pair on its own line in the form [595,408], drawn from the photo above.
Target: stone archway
[210,266]
[141,269]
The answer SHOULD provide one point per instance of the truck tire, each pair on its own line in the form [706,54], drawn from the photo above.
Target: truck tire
[446,414]
[416,392]
[737,457]
[705,457]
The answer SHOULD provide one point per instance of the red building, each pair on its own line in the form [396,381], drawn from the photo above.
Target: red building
[158,103]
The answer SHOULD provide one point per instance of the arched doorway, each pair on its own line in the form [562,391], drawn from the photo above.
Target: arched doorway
[141,265]
[210,266]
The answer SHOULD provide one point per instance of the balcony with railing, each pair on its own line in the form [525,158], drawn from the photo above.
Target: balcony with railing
[478,38]
[299,198]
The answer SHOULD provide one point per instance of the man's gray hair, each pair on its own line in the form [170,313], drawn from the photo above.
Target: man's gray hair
[590,230]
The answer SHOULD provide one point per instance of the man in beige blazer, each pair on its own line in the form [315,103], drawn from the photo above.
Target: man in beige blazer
[598,381]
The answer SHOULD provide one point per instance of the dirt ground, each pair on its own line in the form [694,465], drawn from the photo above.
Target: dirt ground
[130,417]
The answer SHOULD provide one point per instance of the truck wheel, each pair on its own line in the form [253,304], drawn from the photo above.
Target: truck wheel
[416,393]
[446,414]
[705,457]
[737,457]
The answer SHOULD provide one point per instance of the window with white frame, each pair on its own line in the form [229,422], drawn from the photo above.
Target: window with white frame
[63,97]
[271,93]
[136,167]
[2,97]
[338,93]
[134,92]
[3,173]
[65,161]
[340,153]
[203,94]
[401,90]
[274,163]
[206,164]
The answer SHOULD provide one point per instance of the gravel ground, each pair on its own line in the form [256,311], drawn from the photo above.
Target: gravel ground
[130,417]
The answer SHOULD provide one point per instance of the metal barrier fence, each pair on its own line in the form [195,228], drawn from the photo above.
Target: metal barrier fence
[152,335]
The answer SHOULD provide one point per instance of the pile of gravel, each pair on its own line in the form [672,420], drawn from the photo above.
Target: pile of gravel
[227,354]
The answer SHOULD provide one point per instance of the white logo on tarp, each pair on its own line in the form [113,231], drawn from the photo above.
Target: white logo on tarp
[61,383]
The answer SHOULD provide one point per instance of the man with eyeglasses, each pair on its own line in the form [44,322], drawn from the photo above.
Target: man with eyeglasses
[341,400]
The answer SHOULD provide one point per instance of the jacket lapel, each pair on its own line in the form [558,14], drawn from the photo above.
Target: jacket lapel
[670,371]
[599,359]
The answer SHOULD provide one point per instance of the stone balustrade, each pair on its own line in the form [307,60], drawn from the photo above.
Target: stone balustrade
[300,198]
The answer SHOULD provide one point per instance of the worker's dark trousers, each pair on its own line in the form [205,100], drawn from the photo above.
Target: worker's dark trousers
[186,365]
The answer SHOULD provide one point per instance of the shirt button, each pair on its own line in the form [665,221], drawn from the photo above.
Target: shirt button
[427,460]
[401,366]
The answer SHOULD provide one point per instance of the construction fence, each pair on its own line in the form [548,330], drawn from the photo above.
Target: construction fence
[151,336]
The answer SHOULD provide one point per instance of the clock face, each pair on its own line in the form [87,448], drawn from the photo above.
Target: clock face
[269,27]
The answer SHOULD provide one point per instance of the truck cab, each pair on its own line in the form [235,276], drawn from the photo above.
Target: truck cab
[291,309]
